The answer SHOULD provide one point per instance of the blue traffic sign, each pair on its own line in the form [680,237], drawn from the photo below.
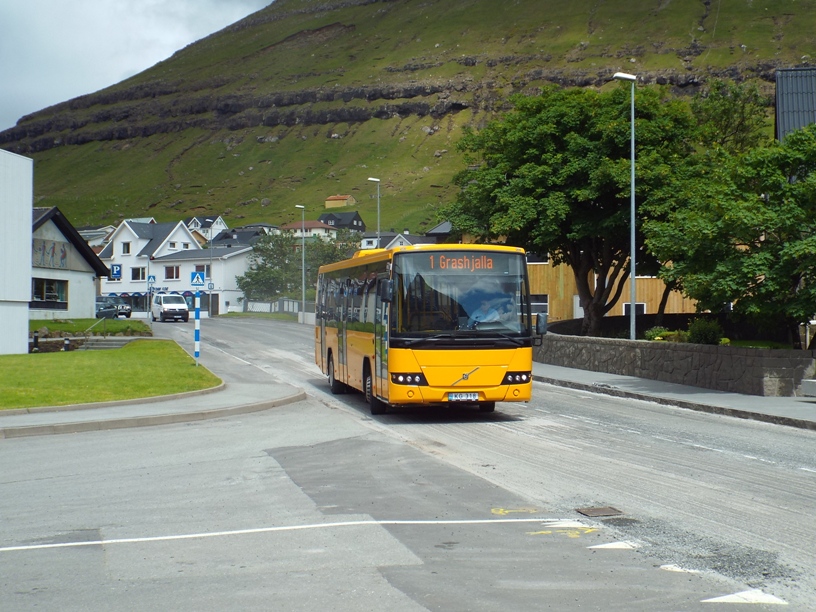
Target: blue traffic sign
[197,279]
[151,279]
[116,271]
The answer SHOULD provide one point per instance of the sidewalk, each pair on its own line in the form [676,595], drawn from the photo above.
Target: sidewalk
[790,411]
[240,397]
[225,400]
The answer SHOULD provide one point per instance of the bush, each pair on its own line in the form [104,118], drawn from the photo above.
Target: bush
[705,331]
[676,336]
[656,333]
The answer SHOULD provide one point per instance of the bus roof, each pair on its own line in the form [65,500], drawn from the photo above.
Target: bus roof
[387,254]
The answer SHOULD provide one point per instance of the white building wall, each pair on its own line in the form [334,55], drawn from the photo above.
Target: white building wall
[16,201]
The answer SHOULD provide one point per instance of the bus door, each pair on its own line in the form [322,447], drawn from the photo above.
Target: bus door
[320,321]
[381,336]
[342,353]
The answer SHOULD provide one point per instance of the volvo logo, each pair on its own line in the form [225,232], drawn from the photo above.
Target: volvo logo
[465,376]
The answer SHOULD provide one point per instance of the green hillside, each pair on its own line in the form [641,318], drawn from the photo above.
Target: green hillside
[307,98]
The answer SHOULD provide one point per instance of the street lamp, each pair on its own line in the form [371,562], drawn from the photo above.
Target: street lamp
[622,76]
[211,282]
[302,261]
[376,180]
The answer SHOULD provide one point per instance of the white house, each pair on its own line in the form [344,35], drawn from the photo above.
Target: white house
[153,257]
[64,269]
[209,226]
[16,196]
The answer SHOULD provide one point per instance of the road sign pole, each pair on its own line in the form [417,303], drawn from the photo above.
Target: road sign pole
[197,325]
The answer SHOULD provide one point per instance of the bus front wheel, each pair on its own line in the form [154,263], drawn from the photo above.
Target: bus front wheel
[377,406]
[335,385]
[487,406]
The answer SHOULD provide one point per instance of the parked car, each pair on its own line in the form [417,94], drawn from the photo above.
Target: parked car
[105,310]
[123,309]
[169,306]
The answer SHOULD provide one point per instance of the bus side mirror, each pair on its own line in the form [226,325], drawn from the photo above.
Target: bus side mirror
[386,290]
[541,324]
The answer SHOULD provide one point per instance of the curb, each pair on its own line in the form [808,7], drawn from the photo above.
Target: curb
[678,403]
[144,421]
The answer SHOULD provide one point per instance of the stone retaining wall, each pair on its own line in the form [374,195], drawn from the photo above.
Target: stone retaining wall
[723,368]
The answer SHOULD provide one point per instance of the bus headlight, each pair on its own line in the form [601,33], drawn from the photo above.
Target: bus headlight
[517,378]
[410,378]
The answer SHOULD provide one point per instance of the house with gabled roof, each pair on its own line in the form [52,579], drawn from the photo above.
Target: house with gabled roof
[64,269]
[337,201]
[133,247]
[208,226]
[344,220]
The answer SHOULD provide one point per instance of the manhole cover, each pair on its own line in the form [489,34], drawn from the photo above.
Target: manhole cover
[599,511]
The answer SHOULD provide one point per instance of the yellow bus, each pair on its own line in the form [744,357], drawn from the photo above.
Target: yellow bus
[428,324]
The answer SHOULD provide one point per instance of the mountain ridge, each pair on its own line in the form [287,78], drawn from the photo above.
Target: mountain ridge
[301,77]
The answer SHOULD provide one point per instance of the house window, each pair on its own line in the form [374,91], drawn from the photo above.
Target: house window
[49,293]
[640,308]
[185,245]
[172,245]
[540,303]
[171,273]
[125,248]
[137,274]
[205,269]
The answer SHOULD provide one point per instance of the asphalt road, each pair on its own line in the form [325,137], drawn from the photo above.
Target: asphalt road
[318,505]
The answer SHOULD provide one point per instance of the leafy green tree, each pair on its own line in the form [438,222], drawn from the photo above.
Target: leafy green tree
[553,176]
[746,233]
[275,263]
[274,268]
[731,116]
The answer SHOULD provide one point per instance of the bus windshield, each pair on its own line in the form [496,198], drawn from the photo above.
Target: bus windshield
[473,292]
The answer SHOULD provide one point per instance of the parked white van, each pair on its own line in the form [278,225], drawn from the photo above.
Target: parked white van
[169,306]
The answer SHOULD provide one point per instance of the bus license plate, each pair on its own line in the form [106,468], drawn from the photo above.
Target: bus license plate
[463,397]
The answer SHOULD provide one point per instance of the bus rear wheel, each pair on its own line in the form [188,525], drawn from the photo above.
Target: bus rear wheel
[335,385]
[377,406]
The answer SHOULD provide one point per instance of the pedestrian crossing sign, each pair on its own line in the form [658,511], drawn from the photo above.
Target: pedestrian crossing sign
[197,279]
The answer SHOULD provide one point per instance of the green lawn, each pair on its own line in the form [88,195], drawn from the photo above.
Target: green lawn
[143,368]
[92,326]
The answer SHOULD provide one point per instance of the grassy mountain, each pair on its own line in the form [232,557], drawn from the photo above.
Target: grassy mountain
[309,98]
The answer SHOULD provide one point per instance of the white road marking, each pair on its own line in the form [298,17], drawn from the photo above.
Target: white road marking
[218,534]
[676,568]
[617,546]
[754,596]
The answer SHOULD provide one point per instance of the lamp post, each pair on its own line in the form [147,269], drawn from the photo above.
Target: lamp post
[632,78]
[376,180]
[209,291]
[302,261]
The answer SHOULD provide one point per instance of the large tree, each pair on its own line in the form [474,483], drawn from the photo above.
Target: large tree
[746,233]
[553,176]
[275,268]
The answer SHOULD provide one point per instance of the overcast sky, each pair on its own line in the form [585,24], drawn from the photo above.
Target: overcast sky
[55,50]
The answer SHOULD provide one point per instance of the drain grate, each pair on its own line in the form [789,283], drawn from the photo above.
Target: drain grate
[599,511]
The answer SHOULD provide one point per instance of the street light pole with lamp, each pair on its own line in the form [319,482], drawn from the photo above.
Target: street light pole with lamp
[376,180]
[302,261]
[632,78]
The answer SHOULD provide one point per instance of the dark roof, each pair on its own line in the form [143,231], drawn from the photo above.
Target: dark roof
[795,99]
[41,216]
[154,233]
[239,235]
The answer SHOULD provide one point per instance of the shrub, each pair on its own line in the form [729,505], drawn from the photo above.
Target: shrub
[704,331]
[655,333]
[676,336]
